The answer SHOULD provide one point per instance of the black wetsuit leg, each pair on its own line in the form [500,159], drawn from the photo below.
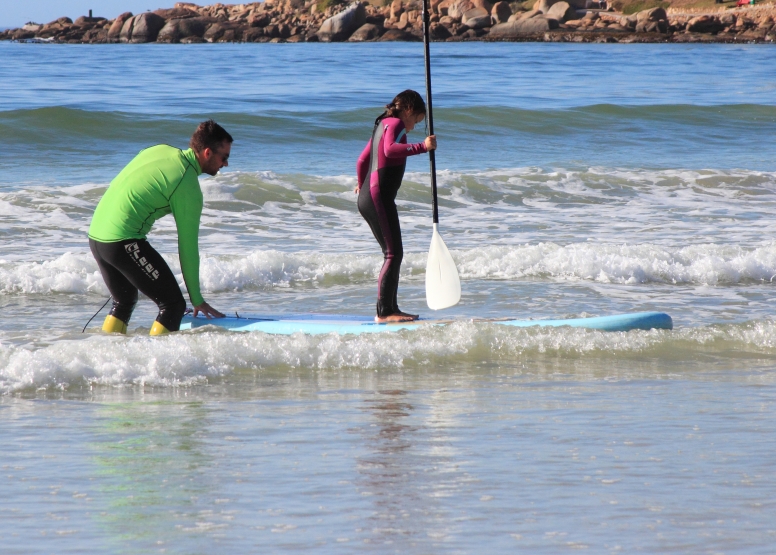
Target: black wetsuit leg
[378,207]
[132,265]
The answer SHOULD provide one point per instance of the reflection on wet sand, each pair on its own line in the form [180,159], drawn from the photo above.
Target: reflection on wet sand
[150,458]
[405,473]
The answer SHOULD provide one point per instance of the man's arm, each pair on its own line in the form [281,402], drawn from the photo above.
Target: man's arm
[186,207]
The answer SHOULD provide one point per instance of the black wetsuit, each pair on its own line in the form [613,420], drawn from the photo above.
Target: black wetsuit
[131,265]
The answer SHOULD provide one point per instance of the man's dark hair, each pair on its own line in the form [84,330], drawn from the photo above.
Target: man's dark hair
[209,135]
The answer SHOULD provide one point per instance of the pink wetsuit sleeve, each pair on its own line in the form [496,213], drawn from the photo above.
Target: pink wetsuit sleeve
[395,149]
[362,166]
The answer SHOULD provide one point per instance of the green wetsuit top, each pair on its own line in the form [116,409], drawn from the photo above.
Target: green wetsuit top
[160,180]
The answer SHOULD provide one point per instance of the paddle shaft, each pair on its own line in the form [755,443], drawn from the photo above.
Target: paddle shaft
[429,110]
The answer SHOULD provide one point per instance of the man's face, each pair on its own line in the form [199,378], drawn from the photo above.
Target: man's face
[214,160]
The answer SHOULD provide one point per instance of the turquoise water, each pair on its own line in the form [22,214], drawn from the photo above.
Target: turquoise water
[575,180]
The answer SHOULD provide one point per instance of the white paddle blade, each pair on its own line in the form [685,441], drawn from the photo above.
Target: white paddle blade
[443,287]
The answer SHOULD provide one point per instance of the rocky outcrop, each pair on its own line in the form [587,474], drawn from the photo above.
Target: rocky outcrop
[339,27]
[145,27]
[705,24]
[368,31]
[562,12]
[520,28]
[401,20]
[476,18]
[176,30]
[115,28]
[501,12]
[126,30]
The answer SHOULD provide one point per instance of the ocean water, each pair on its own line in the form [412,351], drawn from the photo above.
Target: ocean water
[575,180]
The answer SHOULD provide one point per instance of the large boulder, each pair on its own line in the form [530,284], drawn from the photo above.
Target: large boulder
[97,35]
[178,12]
[458,8]
[194,26]
[21,34]
[291,6]
[259,20]
[649,21]
[146,27]
[61,21]
[501,12]
[476,18]
[480,22]
[227,31]
[255,34]
[399,35]
[176,29]
[562,11]
[339,27]
[443,7]
[126,30]
[437,31]
[170,32]
[544,5]
[87,20]
[368,31]
[705,24]
[484,4]
[655,14]
[396,9]
[474,12]
[115,27]
[516,29]
[519,16]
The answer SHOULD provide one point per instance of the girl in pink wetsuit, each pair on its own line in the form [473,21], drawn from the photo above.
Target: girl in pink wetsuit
[380,169]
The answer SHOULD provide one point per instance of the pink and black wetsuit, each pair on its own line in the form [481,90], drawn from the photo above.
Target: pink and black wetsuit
[380,169]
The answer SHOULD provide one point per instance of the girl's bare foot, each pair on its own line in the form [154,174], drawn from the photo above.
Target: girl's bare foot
[397,317]
[413,316]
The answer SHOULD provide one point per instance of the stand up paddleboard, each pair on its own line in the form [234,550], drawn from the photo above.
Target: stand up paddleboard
[314,324]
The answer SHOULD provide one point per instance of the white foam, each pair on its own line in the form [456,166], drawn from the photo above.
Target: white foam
[249,211]
[629,264]
[191,358]
[263,229]
[69,273]
[626,264]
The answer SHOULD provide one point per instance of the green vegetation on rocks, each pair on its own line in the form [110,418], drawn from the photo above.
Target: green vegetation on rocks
[629,7]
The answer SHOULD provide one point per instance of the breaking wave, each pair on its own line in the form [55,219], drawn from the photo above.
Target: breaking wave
[77,273]
[201,356]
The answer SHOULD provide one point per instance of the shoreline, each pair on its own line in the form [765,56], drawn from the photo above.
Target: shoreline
[281,21]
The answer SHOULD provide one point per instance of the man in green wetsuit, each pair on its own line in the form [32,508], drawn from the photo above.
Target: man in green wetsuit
[160,180]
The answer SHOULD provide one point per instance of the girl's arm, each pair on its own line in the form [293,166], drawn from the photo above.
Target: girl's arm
[395,149]
[362,166]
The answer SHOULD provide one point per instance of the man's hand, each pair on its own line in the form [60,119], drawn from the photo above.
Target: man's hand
[207,310]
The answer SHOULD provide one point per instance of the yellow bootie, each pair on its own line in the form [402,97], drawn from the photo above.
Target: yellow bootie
[113,325]
[158,329]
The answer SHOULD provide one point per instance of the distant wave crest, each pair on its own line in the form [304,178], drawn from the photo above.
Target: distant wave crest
[625,264]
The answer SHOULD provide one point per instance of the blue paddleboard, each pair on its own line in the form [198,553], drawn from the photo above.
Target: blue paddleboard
[314,324]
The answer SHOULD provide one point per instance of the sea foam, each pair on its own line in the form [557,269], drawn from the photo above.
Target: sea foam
[196,357]
[626,264]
